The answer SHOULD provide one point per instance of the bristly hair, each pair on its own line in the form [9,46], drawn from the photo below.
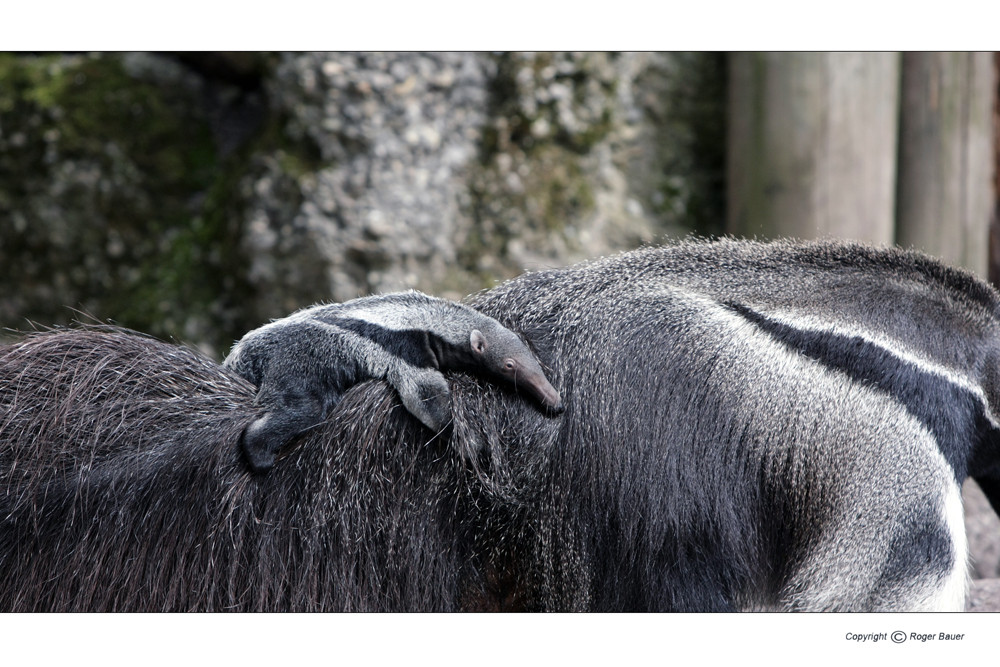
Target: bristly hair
[725,422]
[122,489]
[700,457]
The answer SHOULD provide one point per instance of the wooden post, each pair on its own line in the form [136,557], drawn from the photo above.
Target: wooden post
[994,270]
[945,192]
[812,145]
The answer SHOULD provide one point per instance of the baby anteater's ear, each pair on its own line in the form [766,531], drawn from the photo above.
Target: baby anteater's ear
[478,341]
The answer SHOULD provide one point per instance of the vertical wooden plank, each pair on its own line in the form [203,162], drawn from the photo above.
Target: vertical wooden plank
[812,145]
[945,191]
[994,261]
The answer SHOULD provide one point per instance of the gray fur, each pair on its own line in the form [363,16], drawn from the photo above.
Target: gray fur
[757,426]
[304,363]
[715,454]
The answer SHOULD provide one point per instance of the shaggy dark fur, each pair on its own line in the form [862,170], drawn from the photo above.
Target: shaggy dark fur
[122,489]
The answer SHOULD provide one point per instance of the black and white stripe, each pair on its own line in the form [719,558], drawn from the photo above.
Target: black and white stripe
[764,425]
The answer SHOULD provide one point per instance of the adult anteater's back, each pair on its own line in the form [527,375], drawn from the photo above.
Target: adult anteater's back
[755,426]
[122,489]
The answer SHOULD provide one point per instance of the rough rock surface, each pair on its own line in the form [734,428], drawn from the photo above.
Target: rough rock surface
[198,195]
[448,172]
[984,595]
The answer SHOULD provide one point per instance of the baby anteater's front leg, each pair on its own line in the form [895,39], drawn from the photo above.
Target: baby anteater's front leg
[426,394]
[267,434]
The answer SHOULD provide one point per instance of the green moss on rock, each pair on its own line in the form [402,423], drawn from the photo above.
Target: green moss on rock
[108,176]
[535,173]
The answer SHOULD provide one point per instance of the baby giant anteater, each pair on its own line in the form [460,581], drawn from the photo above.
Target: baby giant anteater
[302,364]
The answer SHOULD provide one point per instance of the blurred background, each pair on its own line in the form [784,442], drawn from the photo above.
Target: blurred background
[195,195]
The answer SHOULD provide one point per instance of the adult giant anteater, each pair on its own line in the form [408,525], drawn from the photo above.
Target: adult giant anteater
[747,426]
[753,426]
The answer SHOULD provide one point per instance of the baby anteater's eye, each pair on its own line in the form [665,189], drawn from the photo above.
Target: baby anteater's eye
[509,364]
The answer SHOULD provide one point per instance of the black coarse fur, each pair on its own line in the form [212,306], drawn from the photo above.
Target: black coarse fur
[121,489]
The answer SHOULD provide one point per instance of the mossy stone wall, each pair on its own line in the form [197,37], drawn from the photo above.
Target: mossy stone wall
[194,196]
